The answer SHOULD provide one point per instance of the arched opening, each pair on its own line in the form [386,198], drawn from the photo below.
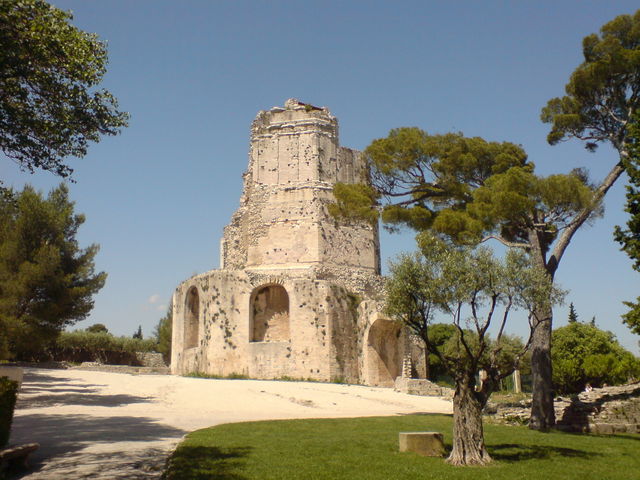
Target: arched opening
[191,318]
[384,362]
[270,314]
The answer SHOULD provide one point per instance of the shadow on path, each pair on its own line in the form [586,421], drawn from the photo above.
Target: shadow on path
[40,390]
[62,434]
[86,399]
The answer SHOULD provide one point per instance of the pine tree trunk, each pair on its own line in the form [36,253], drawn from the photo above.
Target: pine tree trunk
[468,434]
[542,411]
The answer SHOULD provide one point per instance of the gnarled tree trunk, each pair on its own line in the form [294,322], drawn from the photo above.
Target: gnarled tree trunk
[468,434]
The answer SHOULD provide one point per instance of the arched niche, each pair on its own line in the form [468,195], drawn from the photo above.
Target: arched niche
[384,357]
[191,318]
[269,314]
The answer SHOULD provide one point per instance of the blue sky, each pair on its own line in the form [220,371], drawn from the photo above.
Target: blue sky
[193,75]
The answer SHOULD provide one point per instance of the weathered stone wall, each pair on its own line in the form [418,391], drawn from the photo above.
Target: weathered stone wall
[603,410]
[294,161]
[323,343]
[297,294]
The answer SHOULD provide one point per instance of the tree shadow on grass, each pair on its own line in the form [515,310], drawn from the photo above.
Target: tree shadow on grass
[513,452]
[207,463]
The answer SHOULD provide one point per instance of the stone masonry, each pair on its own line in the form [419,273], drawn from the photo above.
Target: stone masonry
[297,293]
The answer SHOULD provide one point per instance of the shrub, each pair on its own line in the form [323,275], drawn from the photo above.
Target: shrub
[8,394]
[582,353]
[79,346]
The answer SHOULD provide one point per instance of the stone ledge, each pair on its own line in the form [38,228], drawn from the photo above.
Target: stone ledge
[421,386]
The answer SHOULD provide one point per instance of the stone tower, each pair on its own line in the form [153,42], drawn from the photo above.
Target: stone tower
[282,222]
[297,291]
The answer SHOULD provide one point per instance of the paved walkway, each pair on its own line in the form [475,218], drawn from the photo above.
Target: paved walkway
[114,426]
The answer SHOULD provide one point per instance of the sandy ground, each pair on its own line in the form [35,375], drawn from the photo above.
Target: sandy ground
[113,426]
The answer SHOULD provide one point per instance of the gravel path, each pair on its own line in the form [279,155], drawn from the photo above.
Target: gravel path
[114,426]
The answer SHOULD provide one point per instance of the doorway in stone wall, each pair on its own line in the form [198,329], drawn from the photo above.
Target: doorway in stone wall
[191,319]
[270,314]
[384,356]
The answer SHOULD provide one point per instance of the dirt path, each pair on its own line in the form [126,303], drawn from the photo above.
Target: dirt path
[114,426]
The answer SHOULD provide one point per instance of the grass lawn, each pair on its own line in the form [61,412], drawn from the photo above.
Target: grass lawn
[367,448]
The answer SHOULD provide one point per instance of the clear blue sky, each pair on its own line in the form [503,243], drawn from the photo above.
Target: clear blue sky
[193,75]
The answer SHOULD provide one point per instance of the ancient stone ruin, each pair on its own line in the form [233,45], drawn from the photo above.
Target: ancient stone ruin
[297,292]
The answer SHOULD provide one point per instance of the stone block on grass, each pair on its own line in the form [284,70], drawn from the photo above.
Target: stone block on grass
[428,444]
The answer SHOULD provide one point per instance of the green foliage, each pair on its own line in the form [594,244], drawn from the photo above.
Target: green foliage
[629,238]
[414,175]
[603,93]
[47,281]
[367,448]
[138,333]
[49,108]
[97,328]
[163,333]
[573,316]
[8,396]
[473,288]
[82,345]
[582,353]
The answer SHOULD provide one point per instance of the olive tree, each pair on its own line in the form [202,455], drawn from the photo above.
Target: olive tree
[477,292]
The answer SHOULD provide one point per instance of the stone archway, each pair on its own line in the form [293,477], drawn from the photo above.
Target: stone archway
[191,318]
[384,360]
[270,314]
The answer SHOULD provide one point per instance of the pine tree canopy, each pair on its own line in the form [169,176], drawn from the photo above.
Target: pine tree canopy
[603,93]
[46,280]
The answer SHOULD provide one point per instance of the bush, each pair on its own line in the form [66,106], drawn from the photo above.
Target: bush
[8,395]
[582,353]
[103,347]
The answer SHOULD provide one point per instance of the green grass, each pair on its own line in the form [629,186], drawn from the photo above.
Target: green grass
[367,448]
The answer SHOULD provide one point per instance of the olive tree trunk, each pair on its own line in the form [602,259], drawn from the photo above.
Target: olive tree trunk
[468,434]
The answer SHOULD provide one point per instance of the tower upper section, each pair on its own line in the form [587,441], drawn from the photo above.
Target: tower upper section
[283,223]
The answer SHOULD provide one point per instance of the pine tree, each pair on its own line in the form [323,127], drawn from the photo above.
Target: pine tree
[573,316]
[47,281]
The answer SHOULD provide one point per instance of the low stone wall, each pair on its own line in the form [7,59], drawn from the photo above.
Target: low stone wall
[150,359]
[421,386]
[603,410]
[98,367]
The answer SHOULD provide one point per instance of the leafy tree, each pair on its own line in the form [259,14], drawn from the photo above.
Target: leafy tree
[601,101]
[163,332]
[474,289]
[97,328]
[49,108]
[573,316]
[472,190]
[629,238]
[46,280]
[138,333]
[582,353]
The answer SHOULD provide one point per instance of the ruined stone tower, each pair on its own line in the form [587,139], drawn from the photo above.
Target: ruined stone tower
[296,293]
